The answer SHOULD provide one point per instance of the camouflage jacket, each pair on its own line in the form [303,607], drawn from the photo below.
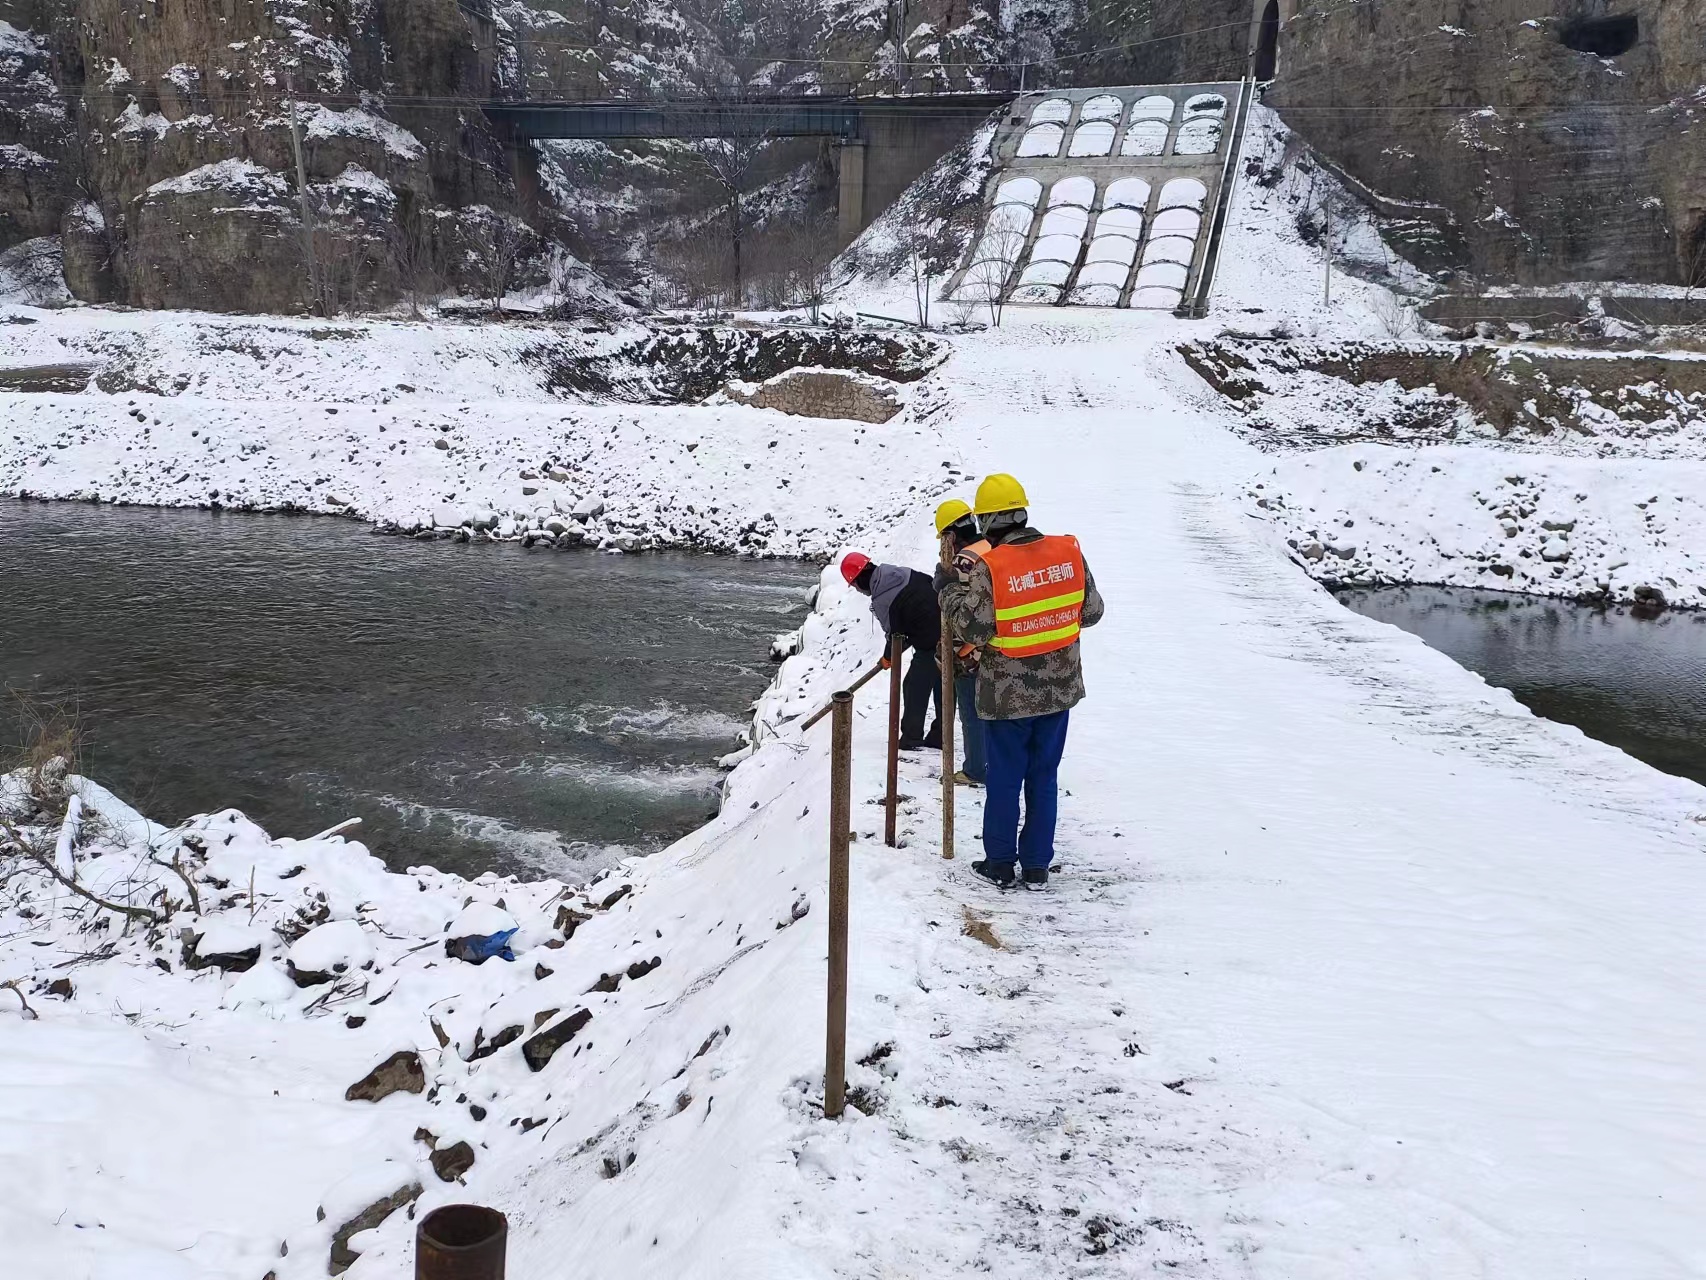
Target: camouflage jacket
[965,664]
[1014,688]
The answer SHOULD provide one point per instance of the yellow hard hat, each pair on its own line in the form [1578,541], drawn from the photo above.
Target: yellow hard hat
[999,492]
[954,509]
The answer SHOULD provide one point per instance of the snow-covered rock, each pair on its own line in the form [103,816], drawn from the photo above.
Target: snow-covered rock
[481,920]
[331,948]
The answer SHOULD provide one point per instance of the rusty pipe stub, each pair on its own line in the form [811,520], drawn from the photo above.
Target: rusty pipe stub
[461,1242]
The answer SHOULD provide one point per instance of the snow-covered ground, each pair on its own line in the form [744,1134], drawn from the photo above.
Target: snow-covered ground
[1588,528]
[1353,967]
[421,426]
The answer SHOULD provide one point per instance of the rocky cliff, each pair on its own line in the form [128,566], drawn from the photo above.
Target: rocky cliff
[1544,140]
[156,138]
[1526,140]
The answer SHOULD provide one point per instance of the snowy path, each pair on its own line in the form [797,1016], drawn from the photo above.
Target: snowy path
[1355,968]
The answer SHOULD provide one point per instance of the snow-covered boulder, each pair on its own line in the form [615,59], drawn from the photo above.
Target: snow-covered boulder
[327,950]
[228,942]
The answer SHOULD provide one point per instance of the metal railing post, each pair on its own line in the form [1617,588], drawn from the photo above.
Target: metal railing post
[897,646]
[461,1242]
[945,656]
[840,833]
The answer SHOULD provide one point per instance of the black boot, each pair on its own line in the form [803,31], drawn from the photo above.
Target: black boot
[1036,877]
[997,873]
[933,739]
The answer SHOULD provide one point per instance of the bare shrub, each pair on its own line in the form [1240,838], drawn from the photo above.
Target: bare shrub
[51,746]
[350,263]
[35,271]
[1394,314]
[960,311]
[694,272]
[798,256]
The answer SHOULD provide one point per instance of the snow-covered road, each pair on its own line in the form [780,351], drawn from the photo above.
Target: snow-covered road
[1355,967]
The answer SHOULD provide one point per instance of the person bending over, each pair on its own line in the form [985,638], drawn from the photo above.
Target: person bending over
[903,601]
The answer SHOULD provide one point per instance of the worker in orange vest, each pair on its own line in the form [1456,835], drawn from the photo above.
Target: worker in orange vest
[1023,603]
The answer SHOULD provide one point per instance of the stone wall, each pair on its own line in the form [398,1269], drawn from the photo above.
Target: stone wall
[822,393]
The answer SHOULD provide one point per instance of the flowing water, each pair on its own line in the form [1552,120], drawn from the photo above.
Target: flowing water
[479,707]
[1637,682]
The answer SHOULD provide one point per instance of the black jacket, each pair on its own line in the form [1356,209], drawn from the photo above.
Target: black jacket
[915,613]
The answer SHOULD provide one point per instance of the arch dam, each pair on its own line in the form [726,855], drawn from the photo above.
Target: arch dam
[881,144]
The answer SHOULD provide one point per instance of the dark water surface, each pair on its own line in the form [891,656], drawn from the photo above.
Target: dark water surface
[1638,683]
[478,706]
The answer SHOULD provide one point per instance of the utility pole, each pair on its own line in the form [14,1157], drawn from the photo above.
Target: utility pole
[314,298]
[1327,255]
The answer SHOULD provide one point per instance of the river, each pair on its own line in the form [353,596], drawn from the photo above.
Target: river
[1636,682]
[479,707]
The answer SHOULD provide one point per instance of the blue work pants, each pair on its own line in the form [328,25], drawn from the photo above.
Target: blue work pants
[971,728]
[1024,757]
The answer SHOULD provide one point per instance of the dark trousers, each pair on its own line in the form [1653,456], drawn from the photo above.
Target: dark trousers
[1024,757]
[923,682]
[971,728]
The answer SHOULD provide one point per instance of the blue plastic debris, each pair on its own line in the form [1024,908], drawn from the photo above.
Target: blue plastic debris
[479,948]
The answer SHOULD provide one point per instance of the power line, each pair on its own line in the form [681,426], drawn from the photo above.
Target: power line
[391,102]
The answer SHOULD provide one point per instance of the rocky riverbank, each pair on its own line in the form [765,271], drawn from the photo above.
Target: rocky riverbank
[529,433]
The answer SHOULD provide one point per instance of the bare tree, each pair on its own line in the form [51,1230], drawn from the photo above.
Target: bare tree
[923,265]
[499,251]
[414,253]
[1694,262]
[997,254]
[346,269]
[809,256]
[732,162]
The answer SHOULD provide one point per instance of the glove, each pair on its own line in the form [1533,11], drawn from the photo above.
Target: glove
[943,577]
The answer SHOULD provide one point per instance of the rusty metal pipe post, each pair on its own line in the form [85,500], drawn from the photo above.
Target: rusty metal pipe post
[945,656]
[891,803]
[840,835]
[461,1242]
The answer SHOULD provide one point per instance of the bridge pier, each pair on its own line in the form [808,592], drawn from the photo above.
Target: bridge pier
[850,207]
[523,162]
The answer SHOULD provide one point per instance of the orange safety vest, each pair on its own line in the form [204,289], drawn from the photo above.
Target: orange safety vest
[1039,594]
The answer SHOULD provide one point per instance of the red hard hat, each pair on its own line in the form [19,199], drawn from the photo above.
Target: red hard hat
[853,564]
